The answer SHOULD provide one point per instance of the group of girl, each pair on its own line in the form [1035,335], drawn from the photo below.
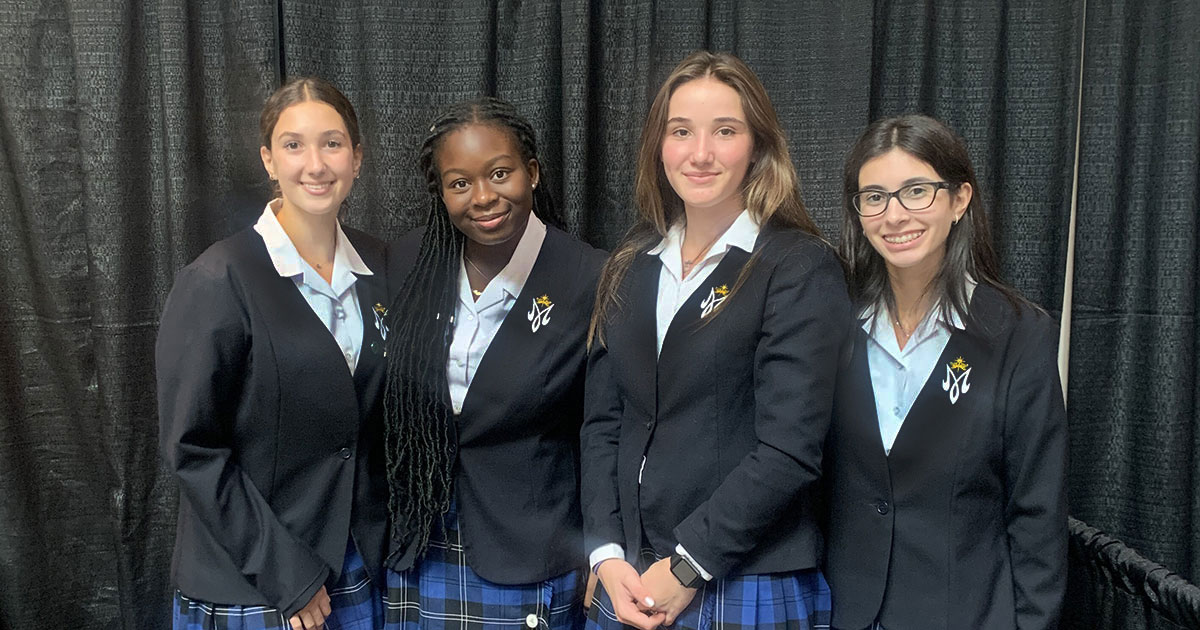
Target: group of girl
[726,421]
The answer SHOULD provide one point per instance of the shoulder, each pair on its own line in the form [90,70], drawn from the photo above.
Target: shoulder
[228,257]
[1022,327]
[369,248]
[560,245]
[797,253]
[401,254]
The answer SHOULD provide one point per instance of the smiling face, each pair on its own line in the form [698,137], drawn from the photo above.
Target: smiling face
[312,157]
[707,146]
[486,186]
[910,241]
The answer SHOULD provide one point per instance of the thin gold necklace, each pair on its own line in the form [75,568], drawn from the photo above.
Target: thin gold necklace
[479,271]
[688,264]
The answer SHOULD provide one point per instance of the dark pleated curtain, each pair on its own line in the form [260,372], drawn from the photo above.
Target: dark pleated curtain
[584,74]
[1004,75]
[1135,435]
[123,128]
[128,143]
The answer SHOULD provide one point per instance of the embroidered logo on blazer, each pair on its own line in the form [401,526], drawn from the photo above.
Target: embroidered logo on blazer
[957,384]
[539,315]
[716,295]
[380,313]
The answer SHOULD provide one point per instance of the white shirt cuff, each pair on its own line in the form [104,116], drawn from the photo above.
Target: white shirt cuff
[605,552]
[683,552]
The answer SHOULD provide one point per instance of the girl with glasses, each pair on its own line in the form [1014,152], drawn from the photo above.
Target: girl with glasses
[946,460]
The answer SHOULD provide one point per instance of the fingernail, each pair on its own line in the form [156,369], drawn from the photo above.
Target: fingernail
[649,602]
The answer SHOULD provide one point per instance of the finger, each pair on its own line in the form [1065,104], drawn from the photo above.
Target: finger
[296,623]
[324,605]
[639,593]
[310,623]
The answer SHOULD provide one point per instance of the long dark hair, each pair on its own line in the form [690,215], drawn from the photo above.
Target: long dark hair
[420,437]
[771,189]
[969,249]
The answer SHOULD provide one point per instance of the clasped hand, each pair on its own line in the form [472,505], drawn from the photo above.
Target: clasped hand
[644,601]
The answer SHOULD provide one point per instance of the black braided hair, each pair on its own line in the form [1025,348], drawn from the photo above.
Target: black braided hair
[421,441]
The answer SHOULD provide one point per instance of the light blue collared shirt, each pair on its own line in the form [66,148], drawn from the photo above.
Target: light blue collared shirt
[476,322]
[897,376]
[335,302]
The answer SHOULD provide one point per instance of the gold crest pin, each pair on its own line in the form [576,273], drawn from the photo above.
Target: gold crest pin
[716,295]
[539,315]
[957,381]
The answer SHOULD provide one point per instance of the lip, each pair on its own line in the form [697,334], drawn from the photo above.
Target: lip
[700,177]
[318,190]
[491,221]
[895,247]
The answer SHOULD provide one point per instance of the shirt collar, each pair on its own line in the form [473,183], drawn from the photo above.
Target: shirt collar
[288,262]
[512,277]
[925,329]
[742,234]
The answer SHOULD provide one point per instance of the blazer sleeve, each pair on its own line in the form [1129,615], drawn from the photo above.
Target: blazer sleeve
[1035,464]
[805,322]
[202,357]
[600,441]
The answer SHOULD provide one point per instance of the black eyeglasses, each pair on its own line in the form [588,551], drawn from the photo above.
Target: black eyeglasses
[914,197]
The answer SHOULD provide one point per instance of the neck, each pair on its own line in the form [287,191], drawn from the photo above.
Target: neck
[912,289]
[707,225]
[314,236]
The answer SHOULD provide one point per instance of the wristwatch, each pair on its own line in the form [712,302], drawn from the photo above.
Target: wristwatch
[685,571]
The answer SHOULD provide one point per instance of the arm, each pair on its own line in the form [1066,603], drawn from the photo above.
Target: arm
[201,360]
[805,321]
[600,438]
[1035,463]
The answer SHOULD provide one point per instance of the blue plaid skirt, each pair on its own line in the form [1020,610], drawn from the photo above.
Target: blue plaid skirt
[776,601]
[441,591]
[355,601]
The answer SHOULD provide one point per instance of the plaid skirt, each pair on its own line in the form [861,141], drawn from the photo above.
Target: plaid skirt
[355,601]
[441,591]
[776,601]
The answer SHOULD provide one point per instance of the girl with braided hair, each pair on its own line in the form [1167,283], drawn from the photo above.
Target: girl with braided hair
[484,395]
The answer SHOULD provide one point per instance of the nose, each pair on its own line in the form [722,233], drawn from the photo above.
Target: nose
[702,149]
[483,195]
[314,162]
[893,212]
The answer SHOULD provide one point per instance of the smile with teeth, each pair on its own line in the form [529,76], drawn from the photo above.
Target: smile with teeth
[318,189]
[900,239]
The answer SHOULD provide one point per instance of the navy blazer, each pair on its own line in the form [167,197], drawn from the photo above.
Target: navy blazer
[276,446]
[964,525]
[716,444]
[517,473]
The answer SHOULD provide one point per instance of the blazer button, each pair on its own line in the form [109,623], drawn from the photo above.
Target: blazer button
[649,424]
[345,453]
[882,507]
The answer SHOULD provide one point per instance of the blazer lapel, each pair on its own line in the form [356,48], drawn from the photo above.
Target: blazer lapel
[946,401]
[639,334]
[704,300]
[371,301]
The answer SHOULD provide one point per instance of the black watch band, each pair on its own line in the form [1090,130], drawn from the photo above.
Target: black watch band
[685,571]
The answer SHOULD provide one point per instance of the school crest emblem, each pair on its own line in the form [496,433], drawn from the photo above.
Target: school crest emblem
[380,314]
[539,315]
[716,295]
[958,379]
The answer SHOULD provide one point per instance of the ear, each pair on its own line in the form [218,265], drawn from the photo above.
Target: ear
[962,199]
[358,157]
[534,170]
[265,154]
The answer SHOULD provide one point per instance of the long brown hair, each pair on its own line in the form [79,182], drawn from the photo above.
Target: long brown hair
[771,189]
[969,249]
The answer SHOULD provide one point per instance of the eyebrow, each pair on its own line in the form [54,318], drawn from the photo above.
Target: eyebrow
[329,132]
[489,164]
[907,182]
[721,119]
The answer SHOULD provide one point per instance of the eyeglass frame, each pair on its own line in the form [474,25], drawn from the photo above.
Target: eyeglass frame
[895,194]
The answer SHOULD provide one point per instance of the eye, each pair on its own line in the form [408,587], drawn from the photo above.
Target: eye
[291,145]
[680,132]
[500,174]
[726,132]
[872,198]
[457,184]
[916,191]
[333,144]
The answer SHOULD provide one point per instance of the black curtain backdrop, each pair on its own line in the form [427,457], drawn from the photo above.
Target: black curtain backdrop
[1135,438]
[129,143]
